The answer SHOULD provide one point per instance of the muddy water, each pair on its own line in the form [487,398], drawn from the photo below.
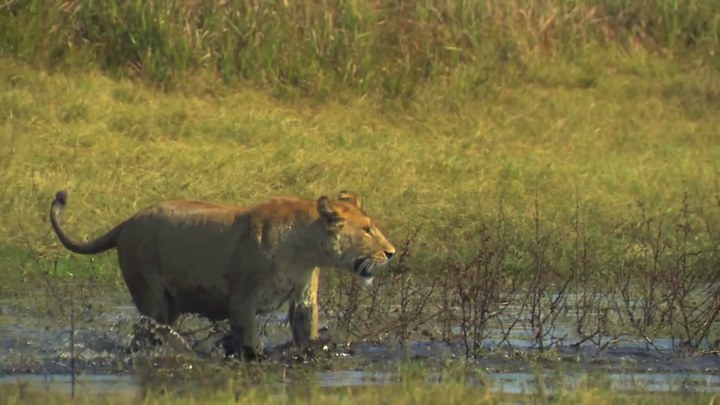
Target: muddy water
[36,349]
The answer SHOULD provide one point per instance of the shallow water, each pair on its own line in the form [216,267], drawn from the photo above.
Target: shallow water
[87,383]
[508,383]
[36,351]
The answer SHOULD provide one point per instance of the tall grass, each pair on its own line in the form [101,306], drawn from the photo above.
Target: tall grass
[317,49]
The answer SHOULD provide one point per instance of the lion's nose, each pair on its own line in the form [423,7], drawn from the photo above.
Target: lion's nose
[389,254]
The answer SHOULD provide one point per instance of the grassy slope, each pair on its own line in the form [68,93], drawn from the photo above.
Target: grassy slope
[599,135]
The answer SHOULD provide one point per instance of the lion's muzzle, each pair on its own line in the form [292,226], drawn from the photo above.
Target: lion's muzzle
[365,267]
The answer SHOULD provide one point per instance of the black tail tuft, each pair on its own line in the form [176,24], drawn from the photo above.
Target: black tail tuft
[61,197]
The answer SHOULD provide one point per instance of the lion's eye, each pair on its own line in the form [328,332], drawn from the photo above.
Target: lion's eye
[367,230]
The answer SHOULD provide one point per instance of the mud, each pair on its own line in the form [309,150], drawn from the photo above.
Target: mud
[35,349]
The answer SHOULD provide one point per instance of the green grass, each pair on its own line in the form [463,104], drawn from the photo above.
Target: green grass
[551,139]
[576,121]
[646,130]
[450,394]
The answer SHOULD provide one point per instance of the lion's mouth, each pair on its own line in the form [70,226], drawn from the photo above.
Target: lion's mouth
[364,268]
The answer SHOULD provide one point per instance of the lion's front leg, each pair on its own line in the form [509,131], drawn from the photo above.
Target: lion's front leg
[303,313]
[243,338]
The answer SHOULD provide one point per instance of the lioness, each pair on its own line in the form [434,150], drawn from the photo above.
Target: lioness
[227,262]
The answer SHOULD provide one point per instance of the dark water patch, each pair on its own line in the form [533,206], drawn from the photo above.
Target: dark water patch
[37,352]
[88,383]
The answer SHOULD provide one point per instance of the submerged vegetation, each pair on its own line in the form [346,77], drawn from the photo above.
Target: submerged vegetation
[537,162]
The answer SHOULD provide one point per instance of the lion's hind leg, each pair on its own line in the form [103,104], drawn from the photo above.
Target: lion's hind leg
[147,290]
[155,302]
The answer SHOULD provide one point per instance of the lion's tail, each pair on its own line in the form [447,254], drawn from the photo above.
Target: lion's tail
[101,244]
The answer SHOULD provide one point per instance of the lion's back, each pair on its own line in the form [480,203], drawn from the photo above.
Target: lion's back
[182,237]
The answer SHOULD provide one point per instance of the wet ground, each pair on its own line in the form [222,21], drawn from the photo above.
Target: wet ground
[36,349]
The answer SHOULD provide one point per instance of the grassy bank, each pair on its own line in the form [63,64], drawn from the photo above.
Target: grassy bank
[557,121]
[557,163]
[542,189]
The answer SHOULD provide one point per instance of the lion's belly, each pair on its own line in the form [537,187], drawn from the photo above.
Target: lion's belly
[210,296]
[208,301]
[193,263]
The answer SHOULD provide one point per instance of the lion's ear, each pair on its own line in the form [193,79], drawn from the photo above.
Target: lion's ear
[350,197]
[328,212]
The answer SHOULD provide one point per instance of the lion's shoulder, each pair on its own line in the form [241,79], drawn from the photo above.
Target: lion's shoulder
[284,210]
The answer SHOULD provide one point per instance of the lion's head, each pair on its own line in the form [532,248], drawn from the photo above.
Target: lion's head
[357,243]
